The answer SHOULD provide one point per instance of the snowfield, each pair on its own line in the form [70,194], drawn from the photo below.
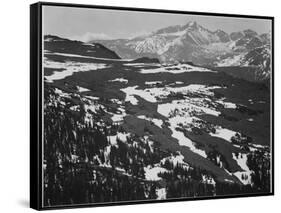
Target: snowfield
[163,92]
[69,67]
[152,94]
[185,106]
[176,69]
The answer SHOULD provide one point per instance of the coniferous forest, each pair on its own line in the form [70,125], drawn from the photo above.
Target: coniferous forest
[82,165]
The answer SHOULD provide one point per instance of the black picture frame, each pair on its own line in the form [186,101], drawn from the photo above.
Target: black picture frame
[36,104]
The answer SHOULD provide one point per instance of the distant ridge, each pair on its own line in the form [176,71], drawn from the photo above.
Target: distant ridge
[62,45]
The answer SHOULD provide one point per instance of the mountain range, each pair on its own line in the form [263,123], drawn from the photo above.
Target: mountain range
[244,54]
[193,43]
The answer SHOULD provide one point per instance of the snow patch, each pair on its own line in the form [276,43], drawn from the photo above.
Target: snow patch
[155,121]
[121,136]
[116,101]
[152,82]
[82,89]
[178,159]
[227,105]
[151,173]
[123,80]
[184,141]
[132,91]
[91,57]
[161,194]
[208,180]
[223,133]
[139,64]
[119,117]
[245,175]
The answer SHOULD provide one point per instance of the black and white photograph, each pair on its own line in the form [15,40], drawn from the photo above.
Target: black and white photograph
[151,106]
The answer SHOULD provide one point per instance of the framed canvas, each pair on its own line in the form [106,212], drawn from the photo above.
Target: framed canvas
[132,105]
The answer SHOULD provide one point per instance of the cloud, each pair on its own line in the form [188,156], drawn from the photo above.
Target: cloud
[91,36]
[139,34]
[102,36]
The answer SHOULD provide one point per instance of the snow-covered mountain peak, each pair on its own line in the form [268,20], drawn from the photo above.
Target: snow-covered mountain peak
[192,25]
[149,44]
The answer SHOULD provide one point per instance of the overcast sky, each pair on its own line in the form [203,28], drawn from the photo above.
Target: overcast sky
[85,24]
